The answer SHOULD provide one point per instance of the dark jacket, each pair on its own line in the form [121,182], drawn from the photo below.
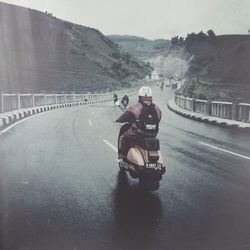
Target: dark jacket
[132,115]
[125,100]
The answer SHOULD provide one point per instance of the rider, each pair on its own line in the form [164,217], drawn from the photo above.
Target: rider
[162,85]
[132,115]
[125,101]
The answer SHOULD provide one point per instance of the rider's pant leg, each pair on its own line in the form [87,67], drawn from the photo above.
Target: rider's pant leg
[124,144]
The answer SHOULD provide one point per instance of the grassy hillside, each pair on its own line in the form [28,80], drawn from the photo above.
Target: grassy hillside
[42,53]
[224,59]
[140,47]
[219,65]
[161,55]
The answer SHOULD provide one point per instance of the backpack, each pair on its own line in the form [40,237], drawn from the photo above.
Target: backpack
[148,119]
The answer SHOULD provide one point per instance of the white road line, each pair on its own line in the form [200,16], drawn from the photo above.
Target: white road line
[225,151]
[18,122]
[110,145]
[90,123]
[24,182]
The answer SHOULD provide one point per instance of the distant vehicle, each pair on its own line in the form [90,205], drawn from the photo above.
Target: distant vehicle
[175,77]
[168,84]
[117,103]
[174,85]
[174,81]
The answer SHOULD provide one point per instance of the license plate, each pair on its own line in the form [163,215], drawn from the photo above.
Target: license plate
[150,126]
[153,165]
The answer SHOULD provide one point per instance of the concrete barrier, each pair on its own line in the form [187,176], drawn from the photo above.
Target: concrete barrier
[226,110]
[15,107]
[218,121]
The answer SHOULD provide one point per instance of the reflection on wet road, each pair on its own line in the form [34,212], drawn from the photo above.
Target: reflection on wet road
[61,187]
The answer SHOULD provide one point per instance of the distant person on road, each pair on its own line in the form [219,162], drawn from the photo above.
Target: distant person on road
[115,98]
[162,85]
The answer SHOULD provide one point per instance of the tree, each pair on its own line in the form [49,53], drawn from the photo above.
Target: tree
[190,37]
[201,36]
[181,40]
[211,34]
[116,66]
[174,40]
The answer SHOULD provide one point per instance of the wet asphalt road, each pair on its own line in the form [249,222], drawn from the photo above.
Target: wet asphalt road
[61,188]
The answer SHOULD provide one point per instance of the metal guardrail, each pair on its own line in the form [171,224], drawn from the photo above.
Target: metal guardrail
[11,102]
[228,110]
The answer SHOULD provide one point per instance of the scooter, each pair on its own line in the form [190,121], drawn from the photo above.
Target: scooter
[144,161]
[121,105]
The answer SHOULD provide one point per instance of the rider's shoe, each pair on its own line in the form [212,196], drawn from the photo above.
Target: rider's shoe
[119,160]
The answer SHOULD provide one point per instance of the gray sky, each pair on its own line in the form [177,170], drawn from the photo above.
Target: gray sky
[150,19]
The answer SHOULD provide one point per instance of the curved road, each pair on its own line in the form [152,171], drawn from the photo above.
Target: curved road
[61,188]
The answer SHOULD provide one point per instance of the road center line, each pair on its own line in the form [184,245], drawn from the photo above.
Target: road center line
[225,151]
[110,145]
[90,123]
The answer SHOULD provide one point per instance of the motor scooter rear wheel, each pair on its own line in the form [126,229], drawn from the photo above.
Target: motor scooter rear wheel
[133,175]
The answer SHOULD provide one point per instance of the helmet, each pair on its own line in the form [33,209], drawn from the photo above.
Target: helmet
[145,91]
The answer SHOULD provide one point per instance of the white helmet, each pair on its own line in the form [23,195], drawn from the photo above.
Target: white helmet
[145,91]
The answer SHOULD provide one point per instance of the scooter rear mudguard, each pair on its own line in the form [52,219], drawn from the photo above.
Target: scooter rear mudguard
[138,158]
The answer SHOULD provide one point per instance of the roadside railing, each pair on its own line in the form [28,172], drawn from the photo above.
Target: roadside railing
[11,102]
[228,110]
[244,112]
[222,109]
[189,103]
[200,106]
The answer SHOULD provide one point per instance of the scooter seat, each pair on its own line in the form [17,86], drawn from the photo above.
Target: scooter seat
[153,156]
[150,144]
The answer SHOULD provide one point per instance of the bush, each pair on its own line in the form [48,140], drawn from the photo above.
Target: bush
[116,55]
[211,34]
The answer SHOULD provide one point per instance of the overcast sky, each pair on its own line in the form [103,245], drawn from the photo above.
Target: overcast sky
[152,19]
